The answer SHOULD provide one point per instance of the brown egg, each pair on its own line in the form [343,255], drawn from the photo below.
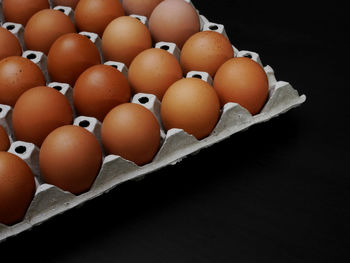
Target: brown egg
[9,44]
[174,21]
[205,51]
[132,132]
[69,56]
[70,158]
[140,7]
[243,81]
[38,112]
[17,188]
[95,15]
[4,140]
[70,3]
[44,27]
[19,11]
[99,89]
[124,38]
[18,74]
[153,71]
[191,104]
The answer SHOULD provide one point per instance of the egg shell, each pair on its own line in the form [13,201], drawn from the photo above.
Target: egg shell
[19,11]
[69,56]
[9,44]
[99,89]
[38,112]
[4,140]
[95,15]
[18,74]
[153,71]
[191,104]
[131,131]
[205,51]
[140,7]
[124,38]
[17,188]
[44,27]
[243,81]
[70,3]
[70,158]
[174,21]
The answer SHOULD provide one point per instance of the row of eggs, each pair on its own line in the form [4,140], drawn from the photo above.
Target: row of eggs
[70,156]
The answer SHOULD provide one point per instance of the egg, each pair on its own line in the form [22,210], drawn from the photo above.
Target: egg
[99,89]
[132,132]
[17,188]
[4,140]
[69,56]
[70,158]
[19,11]
[243,81]
[44,27]
[95,15]
[18,74]
[38,112]
[153,71]
[9,44]
[140,7]
[70,3]
[174,21]
[205,51]
[124,38]
[191,104]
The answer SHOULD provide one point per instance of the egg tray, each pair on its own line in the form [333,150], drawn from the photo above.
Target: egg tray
[50,200]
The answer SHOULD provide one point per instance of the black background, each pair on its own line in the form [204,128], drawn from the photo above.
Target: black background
[278,192]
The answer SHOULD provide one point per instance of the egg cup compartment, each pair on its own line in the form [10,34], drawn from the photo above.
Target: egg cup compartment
[200,75]
[143,19]
[172,48]
[29,153]
[119,66]
[68,11]
[5,120]
[50,200]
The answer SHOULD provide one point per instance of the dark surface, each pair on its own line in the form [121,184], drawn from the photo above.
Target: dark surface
[278,192]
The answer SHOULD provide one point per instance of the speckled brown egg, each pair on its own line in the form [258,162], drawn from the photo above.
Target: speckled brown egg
[18,74]
[243,81]
[191,104]
[99,89]
[174,21]
[70,158]
[132,132]
[153,71]
[17,188]
[124,38]
[69,56]
[4,140]
[44,27]
[140,7]
[9,44]
[205,51]
[38,112]
[19,11]
[95,15]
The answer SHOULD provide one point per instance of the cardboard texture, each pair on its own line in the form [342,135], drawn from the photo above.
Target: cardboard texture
[176,144]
